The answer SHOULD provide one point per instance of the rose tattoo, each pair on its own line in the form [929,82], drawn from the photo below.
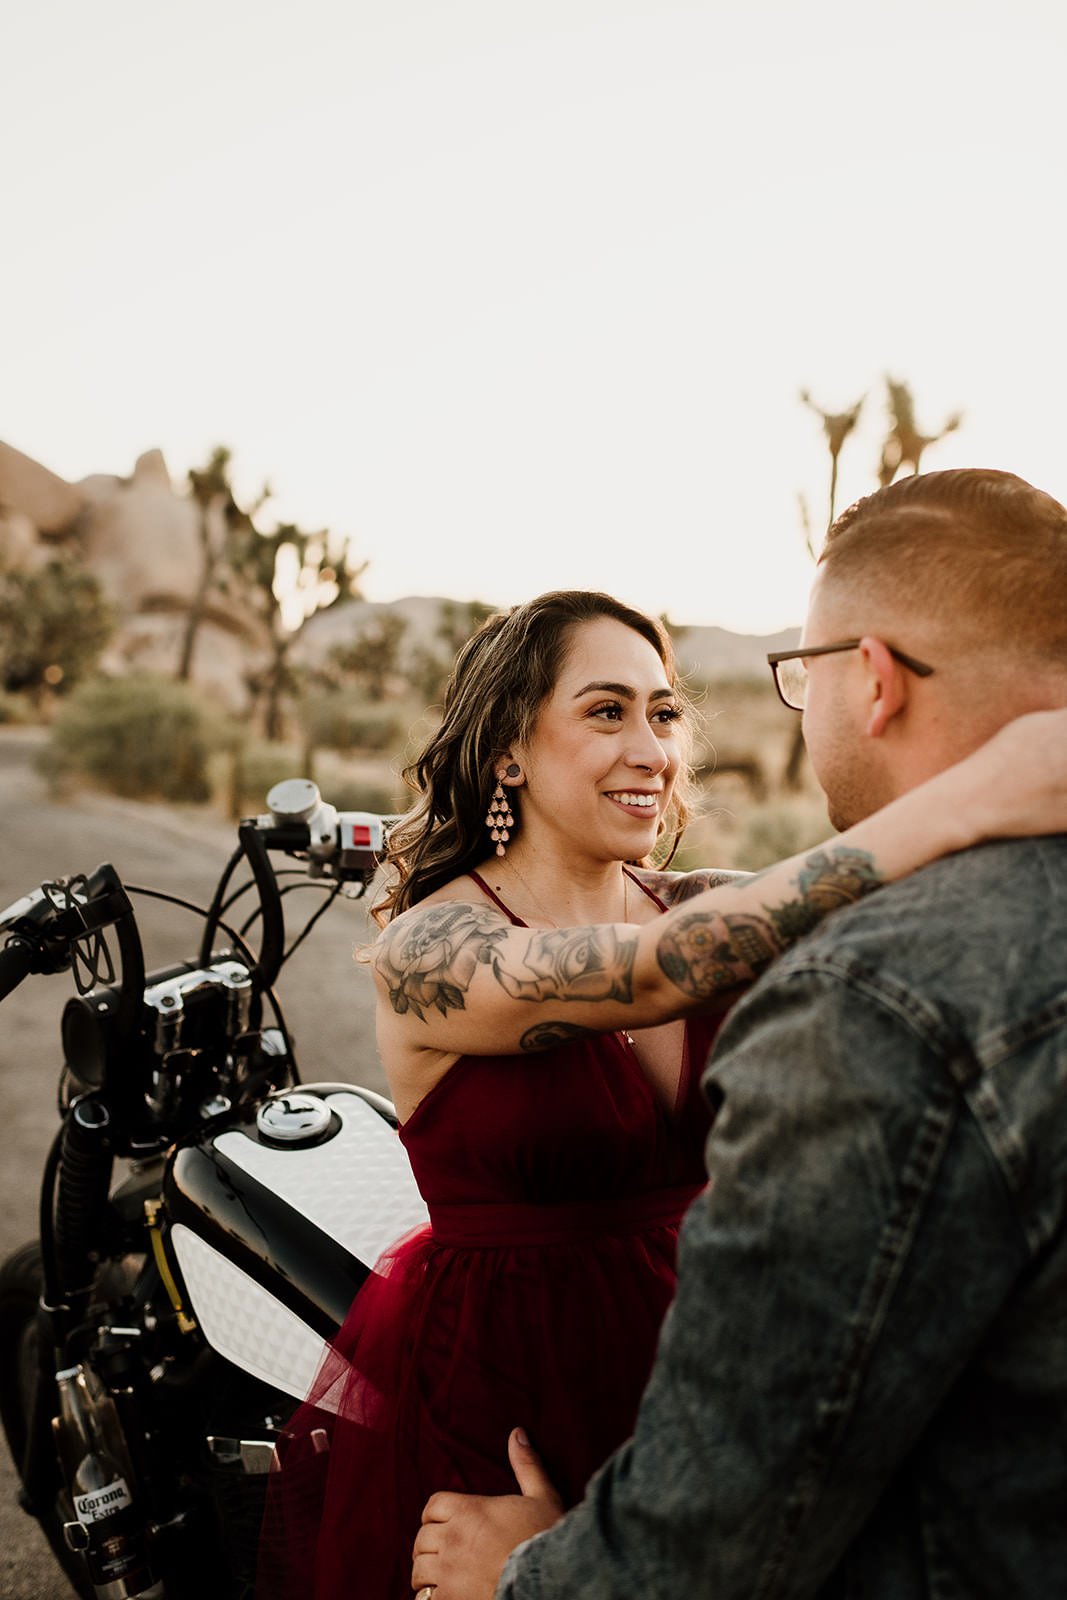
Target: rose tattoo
[430,960]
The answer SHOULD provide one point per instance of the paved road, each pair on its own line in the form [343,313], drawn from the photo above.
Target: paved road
[326,996]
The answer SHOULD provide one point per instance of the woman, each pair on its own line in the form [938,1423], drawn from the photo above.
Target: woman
[532,1000]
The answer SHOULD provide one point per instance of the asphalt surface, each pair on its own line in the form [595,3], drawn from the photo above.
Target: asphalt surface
[326,995]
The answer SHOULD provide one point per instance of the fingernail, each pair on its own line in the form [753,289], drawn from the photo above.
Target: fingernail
[522,1437]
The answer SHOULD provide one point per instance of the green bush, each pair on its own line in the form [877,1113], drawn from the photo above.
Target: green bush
[137,736]
[247,773]
[342,721]
[14,709]
[54,623]
[255,767]
[362,794]
[775,832]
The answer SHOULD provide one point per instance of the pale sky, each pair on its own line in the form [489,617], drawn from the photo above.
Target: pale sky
[520,293]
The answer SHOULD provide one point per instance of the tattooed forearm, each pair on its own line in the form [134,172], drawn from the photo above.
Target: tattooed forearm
[708,952]
[838,876]
[546,1035]
[428,960]
[572,964]
[828,880]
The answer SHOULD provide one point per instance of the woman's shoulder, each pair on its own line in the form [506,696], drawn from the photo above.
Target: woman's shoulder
[675,887]
[460,901]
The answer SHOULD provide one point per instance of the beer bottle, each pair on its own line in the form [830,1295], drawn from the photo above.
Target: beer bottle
[107,1531]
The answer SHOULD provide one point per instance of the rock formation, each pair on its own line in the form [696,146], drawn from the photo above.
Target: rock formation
[141,540]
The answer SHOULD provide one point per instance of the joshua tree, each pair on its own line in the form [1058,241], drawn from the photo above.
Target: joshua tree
[458,620]
[836,426]
[291,574]
[222,522]
[373,658]
[904,444]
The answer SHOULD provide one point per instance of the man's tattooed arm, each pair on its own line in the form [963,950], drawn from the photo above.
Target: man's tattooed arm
[707,953]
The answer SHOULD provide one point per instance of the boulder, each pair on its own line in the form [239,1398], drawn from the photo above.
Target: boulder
[141,540]
[50,502]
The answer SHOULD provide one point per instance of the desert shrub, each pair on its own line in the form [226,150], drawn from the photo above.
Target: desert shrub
[773,832]
[255,767]
[246,774]
[340,721]
[14,709]
[54,623]
[366,794]
[137,736]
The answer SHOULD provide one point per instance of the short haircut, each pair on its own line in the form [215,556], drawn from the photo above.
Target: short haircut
[977,555]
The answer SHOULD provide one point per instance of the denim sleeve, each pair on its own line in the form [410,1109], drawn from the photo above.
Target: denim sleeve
[855,1240]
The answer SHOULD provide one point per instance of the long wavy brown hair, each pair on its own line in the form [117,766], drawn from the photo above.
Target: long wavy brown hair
[501,678]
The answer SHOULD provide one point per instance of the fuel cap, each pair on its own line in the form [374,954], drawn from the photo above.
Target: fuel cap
[293,1118]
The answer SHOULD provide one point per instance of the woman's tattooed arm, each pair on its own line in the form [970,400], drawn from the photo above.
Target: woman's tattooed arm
[674,887]
[547,1035]
[438,962]
[427,960]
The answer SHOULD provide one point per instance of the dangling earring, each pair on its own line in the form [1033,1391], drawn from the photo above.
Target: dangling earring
[499,820]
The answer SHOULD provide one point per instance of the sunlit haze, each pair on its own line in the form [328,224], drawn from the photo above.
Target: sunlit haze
[521,293]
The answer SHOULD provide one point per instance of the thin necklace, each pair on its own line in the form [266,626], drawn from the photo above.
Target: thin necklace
[554,924]
[551,920]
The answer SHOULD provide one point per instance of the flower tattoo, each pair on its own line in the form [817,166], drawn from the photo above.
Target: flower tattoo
[429,961]
[574,964]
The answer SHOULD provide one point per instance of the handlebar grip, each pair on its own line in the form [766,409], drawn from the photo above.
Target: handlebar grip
[16,963]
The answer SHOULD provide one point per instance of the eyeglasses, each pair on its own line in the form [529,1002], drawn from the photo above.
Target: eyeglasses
[791,673]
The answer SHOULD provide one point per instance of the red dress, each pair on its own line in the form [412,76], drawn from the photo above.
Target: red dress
[555,1184]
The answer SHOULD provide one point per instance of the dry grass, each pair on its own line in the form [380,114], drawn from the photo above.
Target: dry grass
[749,817]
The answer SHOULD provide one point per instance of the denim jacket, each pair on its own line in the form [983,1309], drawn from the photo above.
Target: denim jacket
[861,1388]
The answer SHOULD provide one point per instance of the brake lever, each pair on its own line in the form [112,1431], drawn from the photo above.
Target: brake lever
[54,921]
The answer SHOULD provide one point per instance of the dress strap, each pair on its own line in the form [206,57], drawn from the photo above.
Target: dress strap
[518,922]
[645,890]
[495,898]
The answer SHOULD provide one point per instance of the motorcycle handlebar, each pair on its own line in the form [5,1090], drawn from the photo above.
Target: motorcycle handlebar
[346,845]
[42,927]
[16,963]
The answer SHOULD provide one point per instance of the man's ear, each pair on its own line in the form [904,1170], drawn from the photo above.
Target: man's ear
[887,687]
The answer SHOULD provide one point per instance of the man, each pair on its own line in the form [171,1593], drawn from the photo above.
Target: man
[861,1388]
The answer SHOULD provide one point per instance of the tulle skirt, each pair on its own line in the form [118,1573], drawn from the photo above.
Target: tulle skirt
[452,1343]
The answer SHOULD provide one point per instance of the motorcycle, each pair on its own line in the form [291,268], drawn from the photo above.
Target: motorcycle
[205,1219]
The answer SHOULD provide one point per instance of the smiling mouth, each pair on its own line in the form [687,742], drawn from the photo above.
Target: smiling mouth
[638,804]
